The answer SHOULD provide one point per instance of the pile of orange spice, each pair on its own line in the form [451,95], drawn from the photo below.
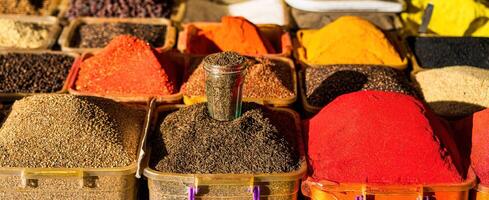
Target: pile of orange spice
[127,66]
[232,34]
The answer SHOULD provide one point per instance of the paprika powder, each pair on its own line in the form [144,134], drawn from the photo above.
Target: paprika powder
[233,34]
[473,137]
[381,137]
[127,66]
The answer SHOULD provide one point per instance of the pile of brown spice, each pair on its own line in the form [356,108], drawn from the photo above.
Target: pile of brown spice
[66,131]
[265,78]
[260,141]
[323,84]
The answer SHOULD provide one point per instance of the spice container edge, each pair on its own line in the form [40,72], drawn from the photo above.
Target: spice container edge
[325,189]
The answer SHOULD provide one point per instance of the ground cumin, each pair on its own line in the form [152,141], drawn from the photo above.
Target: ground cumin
[349,40]
[233,34]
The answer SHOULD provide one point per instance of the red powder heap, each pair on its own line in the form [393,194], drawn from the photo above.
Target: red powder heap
[233,34]
[127,66]
[473,131]
[381,137]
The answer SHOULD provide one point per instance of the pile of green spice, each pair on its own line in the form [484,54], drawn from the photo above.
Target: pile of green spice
[65,131]
[33,73]
[26,7]
[99,35]
[324,84]
[265,78]
[260,141]
[16,34]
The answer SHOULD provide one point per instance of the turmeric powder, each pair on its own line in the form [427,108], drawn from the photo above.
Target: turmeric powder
[233,34]
[349,40]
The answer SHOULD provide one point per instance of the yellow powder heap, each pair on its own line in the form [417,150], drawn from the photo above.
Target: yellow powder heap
[349,40]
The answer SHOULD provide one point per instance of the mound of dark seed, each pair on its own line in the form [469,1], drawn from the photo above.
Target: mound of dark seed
[120,8]
[224,59]
[61,130]
[99,35]
[435,52]
[324,84]
[33,73]
[260,141]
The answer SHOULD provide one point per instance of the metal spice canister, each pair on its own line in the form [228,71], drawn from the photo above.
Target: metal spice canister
[224,84]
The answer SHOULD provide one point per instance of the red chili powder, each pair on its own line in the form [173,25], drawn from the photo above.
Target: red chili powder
[127,66]
[233,34]
[473,133]
[381,137]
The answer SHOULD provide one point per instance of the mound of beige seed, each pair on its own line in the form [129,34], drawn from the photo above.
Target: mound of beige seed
[65,131]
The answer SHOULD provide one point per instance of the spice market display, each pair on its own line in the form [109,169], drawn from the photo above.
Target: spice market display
[244,99]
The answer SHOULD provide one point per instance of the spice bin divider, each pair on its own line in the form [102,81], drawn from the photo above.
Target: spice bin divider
[480,192]
[310,109]
[393,36]
[276,34]
[73,183]
[9,97]
[275,102]
[69,32]
[177,14]
[53,31]
[187,186]
[167,99]
[327,190]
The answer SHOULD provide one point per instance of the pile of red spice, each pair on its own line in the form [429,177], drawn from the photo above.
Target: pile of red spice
[473,137]
[233,34]
[127,66]
[381,137]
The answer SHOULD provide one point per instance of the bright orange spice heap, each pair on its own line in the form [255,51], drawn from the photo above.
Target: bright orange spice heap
[233,34]
[127,66]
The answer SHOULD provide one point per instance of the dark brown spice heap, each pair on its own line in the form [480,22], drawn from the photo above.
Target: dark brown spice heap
[99,35]
[324,84]
[66,131]
[265,78]
[26,7]
[33,73]
[120,8]
[190,141]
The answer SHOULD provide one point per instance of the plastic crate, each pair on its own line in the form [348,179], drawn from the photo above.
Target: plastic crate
[73,183]
[69,32]
[53,31]
[276,34]
[275,102]
[8,97]
[177,58]
[326,190]
[227,186]
[480,192]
